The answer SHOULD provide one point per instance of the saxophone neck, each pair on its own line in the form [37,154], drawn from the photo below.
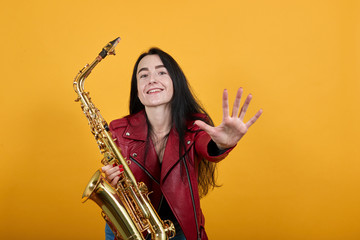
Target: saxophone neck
[109,49]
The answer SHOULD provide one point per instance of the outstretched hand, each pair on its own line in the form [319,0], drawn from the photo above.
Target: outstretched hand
[232,128]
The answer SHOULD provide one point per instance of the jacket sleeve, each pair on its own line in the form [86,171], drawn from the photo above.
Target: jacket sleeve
[205,147]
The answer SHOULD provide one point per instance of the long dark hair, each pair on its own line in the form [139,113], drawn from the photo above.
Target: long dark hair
[183,107]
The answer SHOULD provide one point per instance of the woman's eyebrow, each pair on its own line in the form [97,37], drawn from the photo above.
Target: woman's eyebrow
[143,69]
[159,66]
[147,69]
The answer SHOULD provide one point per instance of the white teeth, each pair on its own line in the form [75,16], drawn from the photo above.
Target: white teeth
[154,90]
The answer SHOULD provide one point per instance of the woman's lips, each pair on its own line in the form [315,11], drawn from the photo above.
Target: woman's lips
[154,90]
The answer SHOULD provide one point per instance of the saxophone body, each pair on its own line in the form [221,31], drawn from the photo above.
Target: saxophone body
[126,207]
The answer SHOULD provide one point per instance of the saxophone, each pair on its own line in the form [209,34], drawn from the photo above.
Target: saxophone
[127,207]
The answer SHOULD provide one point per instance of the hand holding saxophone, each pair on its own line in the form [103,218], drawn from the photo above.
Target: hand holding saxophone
[233,127]
[112,173]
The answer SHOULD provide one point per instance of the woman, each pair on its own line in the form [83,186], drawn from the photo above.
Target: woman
[171,142]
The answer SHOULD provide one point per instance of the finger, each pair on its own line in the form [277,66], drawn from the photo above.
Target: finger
[245,107]
[254,118]
[105,168]
[114,181]
[113,175]
[111,170]
[203,126]
[237,102]
[225,104]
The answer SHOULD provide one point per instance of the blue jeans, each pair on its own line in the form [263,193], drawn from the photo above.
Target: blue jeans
[108,233]
[110,236]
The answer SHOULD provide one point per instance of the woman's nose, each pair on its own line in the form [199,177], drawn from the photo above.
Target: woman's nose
[152,78]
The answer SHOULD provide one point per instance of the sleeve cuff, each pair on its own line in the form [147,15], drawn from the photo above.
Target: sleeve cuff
[213,149]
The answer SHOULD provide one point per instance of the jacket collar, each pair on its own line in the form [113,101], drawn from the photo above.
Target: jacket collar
[137,129]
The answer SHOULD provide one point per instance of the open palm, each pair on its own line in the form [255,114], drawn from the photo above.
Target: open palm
[232,128]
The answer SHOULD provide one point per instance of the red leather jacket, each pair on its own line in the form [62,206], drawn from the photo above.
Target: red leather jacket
[175,179]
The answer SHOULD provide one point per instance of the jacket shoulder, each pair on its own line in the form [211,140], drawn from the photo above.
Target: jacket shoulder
[118,123]
[134,125]
[132,119]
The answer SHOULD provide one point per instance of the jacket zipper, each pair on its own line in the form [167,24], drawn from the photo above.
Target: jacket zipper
[192,199]
[162,196]
[146,171]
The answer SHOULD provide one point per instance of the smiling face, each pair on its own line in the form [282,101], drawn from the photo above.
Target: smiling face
[154,84]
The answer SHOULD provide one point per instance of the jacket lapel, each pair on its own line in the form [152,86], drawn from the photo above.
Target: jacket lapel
[171,154]
[137,130]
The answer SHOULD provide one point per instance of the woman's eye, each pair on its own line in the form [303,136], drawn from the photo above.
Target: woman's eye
[162,73]
[143,76]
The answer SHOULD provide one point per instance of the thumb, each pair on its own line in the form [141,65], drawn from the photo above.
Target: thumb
[203,126]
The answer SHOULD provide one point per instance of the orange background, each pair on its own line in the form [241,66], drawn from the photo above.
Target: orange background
[295,175]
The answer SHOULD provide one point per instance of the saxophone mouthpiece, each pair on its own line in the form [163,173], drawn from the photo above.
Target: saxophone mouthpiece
[109,49]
